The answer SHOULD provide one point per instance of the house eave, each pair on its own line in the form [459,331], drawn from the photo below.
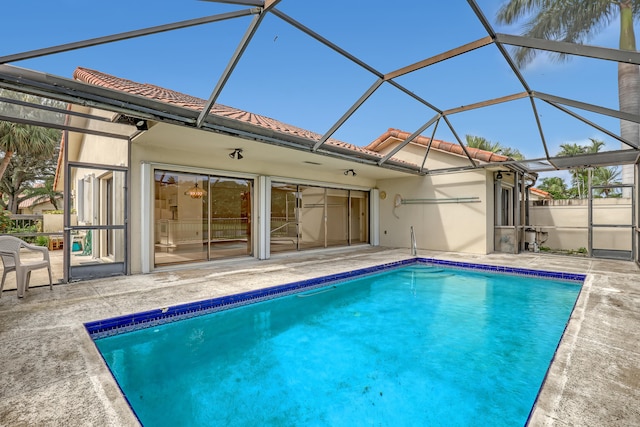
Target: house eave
[88,95]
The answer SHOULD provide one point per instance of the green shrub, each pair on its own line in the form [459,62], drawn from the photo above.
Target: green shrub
[5,221]
[42,241]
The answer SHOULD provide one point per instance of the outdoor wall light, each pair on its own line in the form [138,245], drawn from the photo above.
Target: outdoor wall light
[141,125]
[237,153]
[350,171]
[500,175]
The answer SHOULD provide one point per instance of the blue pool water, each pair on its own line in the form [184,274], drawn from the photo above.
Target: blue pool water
[417,346]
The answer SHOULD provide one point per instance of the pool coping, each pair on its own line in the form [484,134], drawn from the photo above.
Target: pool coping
[130,322]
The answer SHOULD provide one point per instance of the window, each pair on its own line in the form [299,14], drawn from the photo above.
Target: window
[504,205]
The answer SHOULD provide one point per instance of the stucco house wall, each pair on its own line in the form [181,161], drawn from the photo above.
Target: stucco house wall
[438,223]
[28,208]
[449,212]
[177,148]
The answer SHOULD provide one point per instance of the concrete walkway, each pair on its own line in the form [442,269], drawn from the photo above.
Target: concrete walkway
[52,375]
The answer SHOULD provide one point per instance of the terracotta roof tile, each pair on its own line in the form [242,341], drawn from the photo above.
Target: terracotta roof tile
[541,193]
[34,200]
[474,153]
[187,101]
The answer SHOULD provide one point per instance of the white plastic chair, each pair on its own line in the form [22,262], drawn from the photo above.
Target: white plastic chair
[10,253]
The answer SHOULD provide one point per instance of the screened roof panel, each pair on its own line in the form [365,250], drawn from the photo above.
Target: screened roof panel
[386,105]
[316,68]
[389,35]
[478,75]
[67,22]
[46,112]
[582,79]
[488,122]
[572,130]
[287,75]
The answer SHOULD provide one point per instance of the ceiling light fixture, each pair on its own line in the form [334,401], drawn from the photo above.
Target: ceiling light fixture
[141,125]
[350,171]
[236,153]
[195,192]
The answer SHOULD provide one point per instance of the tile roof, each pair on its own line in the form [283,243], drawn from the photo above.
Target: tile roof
[541,193]
[483,155]
[33,201]
[187,101]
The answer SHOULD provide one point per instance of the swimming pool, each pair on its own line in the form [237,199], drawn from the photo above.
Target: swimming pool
[432,343]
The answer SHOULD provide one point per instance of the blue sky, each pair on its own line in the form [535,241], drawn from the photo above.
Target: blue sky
[287,75]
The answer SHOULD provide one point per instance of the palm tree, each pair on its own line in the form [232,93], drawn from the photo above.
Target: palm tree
[580,176]
[513,153]
[482,143]
[577,174]
[595,146]
[576,21]
[607,176]
[45,192]
[28,140]
[555,186]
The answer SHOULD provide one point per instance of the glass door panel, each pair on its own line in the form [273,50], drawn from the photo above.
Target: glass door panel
[306,217]
[359,217]
[230,217]
[337,217]
[180,215]
[312,217]
[284,217]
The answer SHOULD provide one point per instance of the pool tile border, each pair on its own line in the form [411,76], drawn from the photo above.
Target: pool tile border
[121,324]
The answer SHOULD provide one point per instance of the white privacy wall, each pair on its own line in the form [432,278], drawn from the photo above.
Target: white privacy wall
[567,223]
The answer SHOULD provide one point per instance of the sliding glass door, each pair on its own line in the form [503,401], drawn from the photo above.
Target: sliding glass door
[308,217]
[200,217]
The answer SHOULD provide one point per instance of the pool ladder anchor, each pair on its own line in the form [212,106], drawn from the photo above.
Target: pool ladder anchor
[414,246]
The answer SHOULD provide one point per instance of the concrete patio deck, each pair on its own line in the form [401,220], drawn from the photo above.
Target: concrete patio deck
[52,375]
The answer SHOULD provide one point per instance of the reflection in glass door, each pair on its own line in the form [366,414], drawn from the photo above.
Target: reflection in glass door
[306,217]
[359,217]
[180,222]
[230,217]
[337,224]
[284,217]
[312,219]
[200,217]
